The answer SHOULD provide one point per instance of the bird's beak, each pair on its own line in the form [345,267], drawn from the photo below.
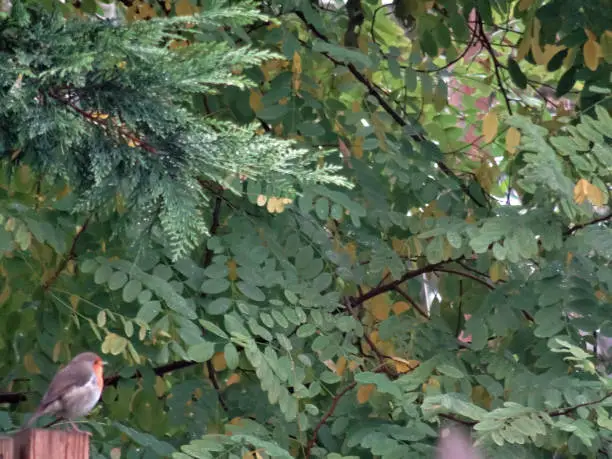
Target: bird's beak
[104,362]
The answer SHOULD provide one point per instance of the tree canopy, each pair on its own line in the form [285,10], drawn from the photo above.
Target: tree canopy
[311,229]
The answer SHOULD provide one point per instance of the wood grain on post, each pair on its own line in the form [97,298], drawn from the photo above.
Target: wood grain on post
[50,444]
[6,448]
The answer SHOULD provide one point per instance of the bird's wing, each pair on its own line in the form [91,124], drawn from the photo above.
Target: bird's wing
[67,377]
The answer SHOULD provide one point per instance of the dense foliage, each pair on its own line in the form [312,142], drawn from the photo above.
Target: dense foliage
[301,229]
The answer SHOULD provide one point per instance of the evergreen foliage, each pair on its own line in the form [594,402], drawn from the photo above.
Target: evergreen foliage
[108,109]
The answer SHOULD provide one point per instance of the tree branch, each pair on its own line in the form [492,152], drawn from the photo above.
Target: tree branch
[469,275]
[385,105]
[496,65]
[70,256]
[326,416]
[356,301]
[413,303]
[562,411]
[575,228]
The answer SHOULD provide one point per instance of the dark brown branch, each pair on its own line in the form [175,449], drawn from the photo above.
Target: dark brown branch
[212,374]
[108,124]
[562,411]
[469,275]
[392,285]
[496,64]
[69,257]
[575,228]
[325,417]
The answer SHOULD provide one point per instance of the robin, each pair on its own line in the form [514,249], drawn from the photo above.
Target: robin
[74,390]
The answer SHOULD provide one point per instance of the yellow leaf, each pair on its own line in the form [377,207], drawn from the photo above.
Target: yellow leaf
[232,274]
[357,147]
[341,366]
[296,69]
[379,307]
[364,392]
[237,421]
[591,51]
[56,351]
[399,307]
[432,383]
[489,126]
[513,139]
[403,365]
[585,190]
[523,48]
[74,301]
[596,196]
[218,361]
[30,365]
[481,397]
[495,271]
[160,386]
[183,8]
[401,247]
[581,191]
[233,379]
[255,101]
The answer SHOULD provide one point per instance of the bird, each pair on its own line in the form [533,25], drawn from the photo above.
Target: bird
[74,390]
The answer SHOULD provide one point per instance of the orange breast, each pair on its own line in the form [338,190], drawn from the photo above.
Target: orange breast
[99,371]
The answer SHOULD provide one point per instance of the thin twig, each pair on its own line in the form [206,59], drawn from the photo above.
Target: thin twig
[391,285]
[212,374]
[575,228]
[562,411]
[69,257]
[413,303]
[325,417]
[496,64]
[469,275]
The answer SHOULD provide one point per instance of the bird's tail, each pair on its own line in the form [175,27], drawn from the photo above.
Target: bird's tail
[30,421]
[456,444]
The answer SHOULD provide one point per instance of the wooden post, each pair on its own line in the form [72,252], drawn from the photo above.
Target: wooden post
[50,443]
[6,448]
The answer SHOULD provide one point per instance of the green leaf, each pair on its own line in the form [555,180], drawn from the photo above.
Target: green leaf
[117,280]
[211,327]
[103,274]
[131,290]
[566,82]
[201,352]
[251,291]
[231,356]
[214,286]
[218,306]
[517,75]
[322,208]
[148,311]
